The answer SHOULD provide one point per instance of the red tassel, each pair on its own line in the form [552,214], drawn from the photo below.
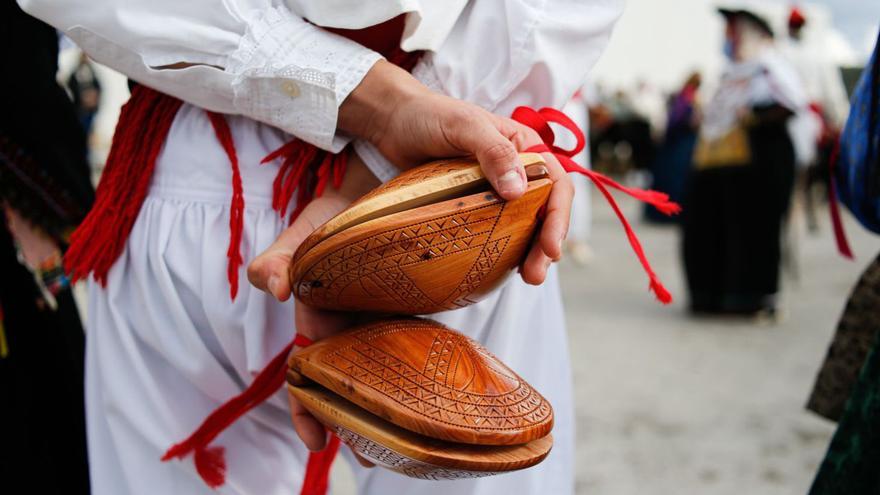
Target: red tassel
[305,170]
[317,475]
[540,122]
[140,135]
[236,208]
[211,465]
[209,461]
[834,208]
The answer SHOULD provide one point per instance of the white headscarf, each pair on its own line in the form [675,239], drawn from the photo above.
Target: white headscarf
[761,77]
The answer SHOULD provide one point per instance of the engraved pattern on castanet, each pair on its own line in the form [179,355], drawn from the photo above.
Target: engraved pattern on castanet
[380,258]
[420,392]
[396,461]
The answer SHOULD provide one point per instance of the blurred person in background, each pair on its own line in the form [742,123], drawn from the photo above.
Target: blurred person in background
[85,89]
[741,183]
[672,164]
[847,388]
[577,241]
[816,131]
[45,192]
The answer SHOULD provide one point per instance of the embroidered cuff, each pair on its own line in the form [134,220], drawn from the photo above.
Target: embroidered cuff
[294,76]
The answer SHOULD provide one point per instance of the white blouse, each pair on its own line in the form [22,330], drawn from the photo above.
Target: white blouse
[267,60]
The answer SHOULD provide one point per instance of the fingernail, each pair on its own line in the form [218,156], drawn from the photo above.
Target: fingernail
[273,284]
[511,182]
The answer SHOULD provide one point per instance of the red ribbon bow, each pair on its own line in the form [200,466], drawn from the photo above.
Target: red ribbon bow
[540,120]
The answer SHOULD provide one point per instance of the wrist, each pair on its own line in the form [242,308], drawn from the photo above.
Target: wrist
[367,111]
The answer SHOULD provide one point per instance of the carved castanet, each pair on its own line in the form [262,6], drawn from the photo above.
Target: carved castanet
[428,379]
[436,238]
[411,454]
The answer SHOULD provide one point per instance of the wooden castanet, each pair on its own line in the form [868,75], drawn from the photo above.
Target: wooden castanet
[408,453]
[435,238]
[422,399]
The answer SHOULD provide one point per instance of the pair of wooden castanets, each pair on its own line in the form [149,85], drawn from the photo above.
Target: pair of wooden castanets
[407,393]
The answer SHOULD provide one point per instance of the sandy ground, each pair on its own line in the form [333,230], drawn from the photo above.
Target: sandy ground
[668,404]
[671,404]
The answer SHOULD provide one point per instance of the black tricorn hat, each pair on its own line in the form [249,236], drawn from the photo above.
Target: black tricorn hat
[757,20]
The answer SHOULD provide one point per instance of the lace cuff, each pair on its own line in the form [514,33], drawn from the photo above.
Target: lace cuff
[294,76]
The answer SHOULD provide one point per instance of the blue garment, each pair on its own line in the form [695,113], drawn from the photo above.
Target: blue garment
[858,169]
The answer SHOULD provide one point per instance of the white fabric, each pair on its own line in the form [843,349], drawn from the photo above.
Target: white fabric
[581,213]
[258,58]
[820,76]
[166,346]
[823,84]
[764,80]
[503,54]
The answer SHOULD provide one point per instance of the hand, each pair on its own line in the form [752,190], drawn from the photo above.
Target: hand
[410,124]
[34,245]
[268,272]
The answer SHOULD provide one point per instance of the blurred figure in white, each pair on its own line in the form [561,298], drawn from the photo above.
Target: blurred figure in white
[577,242]
[815,132]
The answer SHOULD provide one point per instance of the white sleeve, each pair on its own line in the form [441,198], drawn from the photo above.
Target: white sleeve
[249,57]
[505,53]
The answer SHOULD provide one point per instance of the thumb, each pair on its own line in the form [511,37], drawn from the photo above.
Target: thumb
[497,155]
[268,271]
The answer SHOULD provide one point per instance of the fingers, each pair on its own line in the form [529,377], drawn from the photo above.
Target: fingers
[534,268]
[268,271]
[361,460]
[558,212]
[309,429]
[479,133]
[547,246]
[318,324]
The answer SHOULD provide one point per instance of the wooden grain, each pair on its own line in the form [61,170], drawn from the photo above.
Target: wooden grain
[411,454]
[428,379]
[422,259]
[420,186]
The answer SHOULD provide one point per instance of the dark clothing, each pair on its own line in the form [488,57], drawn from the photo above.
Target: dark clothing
[672,164]
[732,222]
[856,332]
[852,461]
[44,177]
[41,382]
[44,174]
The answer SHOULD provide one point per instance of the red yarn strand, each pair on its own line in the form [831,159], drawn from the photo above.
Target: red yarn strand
[236,208]
[210,463]
[143,125]
[834,208]
[317,475]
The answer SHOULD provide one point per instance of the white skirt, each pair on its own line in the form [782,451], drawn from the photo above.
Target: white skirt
[166,345]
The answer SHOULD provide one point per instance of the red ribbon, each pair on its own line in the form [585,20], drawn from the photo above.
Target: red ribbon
[540,120]
[834,208]
[210,461]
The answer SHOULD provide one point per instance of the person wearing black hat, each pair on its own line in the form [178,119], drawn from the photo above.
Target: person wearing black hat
[742,176]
